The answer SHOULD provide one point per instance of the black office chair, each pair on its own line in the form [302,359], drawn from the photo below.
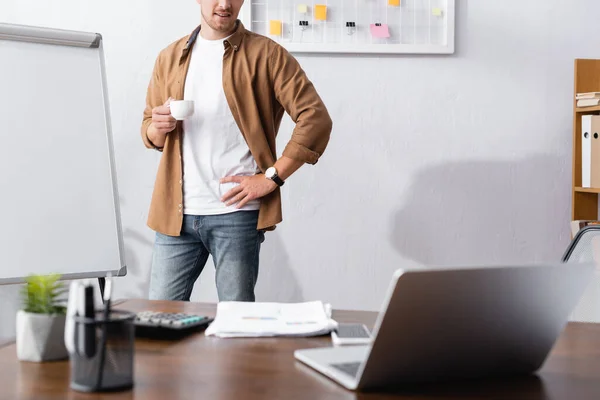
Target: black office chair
[585,247]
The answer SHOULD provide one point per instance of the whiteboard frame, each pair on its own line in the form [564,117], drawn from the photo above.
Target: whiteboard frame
[246,18]
[60,37]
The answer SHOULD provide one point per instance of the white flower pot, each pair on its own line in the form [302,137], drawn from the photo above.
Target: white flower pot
[40,337]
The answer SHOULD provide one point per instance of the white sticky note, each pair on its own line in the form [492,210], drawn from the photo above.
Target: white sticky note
[302,8]
[437,12]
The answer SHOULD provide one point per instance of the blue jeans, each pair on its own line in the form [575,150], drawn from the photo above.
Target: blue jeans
[232,240]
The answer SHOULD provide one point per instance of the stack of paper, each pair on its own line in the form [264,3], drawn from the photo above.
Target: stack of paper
[245,319]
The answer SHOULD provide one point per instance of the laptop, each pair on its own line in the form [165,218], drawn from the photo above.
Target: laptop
[447,324]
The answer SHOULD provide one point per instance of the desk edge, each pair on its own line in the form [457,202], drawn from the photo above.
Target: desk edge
[7,342]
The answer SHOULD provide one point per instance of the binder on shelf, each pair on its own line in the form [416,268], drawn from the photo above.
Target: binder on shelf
[595,158]
[586,150]
[590,151]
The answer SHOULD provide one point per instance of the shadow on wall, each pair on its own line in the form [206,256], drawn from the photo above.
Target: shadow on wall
[480,212]
[276,280]
[138,274]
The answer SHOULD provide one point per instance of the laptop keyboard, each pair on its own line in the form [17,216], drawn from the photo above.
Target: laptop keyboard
[348,368]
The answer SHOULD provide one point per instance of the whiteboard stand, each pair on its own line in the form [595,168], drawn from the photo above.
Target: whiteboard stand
[57,161]
[415,26]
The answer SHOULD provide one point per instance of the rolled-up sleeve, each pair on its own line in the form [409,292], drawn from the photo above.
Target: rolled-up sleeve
[298,96]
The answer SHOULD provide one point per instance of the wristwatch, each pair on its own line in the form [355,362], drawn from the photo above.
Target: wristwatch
[271,173]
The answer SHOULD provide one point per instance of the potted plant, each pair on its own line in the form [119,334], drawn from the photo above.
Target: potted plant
[41,321]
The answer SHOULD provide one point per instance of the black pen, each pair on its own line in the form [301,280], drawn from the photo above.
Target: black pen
[107,296]
[89,340]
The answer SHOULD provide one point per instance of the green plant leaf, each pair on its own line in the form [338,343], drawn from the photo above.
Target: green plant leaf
[41,294]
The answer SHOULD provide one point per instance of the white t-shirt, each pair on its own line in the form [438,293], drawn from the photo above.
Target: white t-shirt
[213,146]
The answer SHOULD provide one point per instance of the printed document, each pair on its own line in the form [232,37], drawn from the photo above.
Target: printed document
[246,319]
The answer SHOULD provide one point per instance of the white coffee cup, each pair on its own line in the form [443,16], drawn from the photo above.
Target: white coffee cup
[181,109]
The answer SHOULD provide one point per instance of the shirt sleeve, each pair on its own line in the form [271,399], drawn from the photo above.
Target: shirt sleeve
[297,95]
[153,99]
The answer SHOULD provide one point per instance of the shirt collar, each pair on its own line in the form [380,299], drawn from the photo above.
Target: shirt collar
[235,40]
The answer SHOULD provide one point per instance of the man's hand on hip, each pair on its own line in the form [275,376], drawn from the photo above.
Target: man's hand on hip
[249,188]
[162,123]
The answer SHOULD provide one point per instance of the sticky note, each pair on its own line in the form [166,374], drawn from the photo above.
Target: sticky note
[394,3]
[275,28]
[321,12]
[302,8]
[380,31]
[437,12]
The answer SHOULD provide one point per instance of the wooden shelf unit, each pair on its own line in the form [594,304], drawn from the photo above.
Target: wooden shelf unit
[584,201]
[587,190]
[587,110]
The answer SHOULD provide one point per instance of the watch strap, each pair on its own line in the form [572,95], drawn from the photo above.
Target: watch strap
[278,180]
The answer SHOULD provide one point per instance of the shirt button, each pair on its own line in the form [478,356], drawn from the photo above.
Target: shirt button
[180,181]
[180,205]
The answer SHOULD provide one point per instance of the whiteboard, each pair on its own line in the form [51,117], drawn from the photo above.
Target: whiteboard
[59,202]
[355,26]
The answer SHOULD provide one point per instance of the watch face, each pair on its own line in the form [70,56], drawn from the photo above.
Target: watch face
[270,172]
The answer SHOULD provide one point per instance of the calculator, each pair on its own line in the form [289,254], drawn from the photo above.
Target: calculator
[160,325]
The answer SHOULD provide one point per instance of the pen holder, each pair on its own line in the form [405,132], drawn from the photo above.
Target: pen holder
[104,352]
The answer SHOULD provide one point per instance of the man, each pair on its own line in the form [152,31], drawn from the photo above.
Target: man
[218,184]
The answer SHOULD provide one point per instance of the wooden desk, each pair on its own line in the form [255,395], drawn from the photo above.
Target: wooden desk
[200,367]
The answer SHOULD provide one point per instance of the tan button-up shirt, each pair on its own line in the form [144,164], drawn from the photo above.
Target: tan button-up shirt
[261,81]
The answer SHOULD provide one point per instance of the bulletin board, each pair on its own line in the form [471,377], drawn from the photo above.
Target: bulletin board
[355,26]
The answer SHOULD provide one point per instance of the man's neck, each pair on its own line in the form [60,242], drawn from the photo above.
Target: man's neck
[210,34]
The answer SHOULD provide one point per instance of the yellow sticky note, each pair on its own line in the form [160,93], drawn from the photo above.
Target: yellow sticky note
[395,3]
[302,8]
[275,28]
[321,12]
[437,12]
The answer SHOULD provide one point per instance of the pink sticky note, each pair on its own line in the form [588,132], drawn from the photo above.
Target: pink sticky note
[380,31]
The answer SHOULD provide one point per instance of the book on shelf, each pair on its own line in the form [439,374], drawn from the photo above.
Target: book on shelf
[578,225]
[588,99]
[588,102]
[588,95]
